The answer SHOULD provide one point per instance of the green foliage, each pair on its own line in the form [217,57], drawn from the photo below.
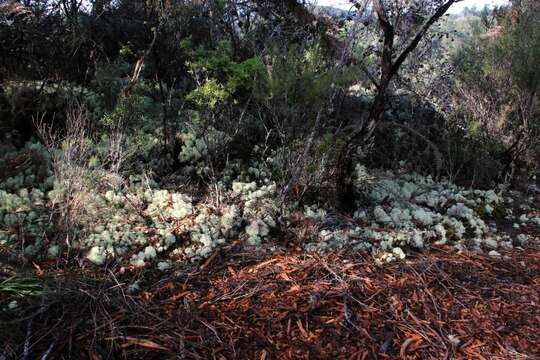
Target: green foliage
[136,111]
[167,166]
[43,100]
[219,76]
[109,80]
[21,286]
[519,50]
[301,78]
[209,94]
[509,56]
[498,74]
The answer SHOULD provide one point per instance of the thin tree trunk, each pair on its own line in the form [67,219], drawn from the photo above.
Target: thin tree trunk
[365,130]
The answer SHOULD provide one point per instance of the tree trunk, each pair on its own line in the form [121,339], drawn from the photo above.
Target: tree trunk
[363,133]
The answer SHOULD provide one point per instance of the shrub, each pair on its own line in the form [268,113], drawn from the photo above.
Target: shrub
[498,86]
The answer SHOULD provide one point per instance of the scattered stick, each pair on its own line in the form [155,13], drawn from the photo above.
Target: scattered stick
[438,305]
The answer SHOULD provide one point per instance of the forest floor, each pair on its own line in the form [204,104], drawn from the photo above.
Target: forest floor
[288,305]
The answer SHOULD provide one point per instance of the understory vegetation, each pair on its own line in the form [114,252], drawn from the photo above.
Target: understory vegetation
[144,140]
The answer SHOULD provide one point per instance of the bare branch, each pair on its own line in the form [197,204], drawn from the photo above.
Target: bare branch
[418,37]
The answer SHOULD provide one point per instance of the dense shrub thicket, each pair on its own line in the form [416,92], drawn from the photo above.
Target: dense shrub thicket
[145,133]
[59,207]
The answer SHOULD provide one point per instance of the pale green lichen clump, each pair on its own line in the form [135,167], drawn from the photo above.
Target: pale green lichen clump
[24,214]
[260,210]
[250,216]
[142,225]
[412,212]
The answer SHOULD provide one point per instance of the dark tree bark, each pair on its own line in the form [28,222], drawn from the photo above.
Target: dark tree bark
[98,6]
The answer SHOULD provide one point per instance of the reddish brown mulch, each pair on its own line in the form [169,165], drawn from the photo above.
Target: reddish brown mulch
[439,305]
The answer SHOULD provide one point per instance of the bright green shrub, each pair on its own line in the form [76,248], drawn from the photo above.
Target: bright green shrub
[219,76]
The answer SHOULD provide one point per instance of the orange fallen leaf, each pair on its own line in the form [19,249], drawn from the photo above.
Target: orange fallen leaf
[39,271]
[148,344]
[302,330]
[293,289]
[284,276]
[179,296]
[263,264]
[413,339]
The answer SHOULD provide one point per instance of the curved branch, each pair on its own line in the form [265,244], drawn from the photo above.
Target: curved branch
[418,37]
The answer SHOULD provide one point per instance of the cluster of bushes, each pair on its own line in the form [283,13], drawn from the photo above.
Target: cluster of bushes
[496,95]
[180,133]
[131,218]
[47,213]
